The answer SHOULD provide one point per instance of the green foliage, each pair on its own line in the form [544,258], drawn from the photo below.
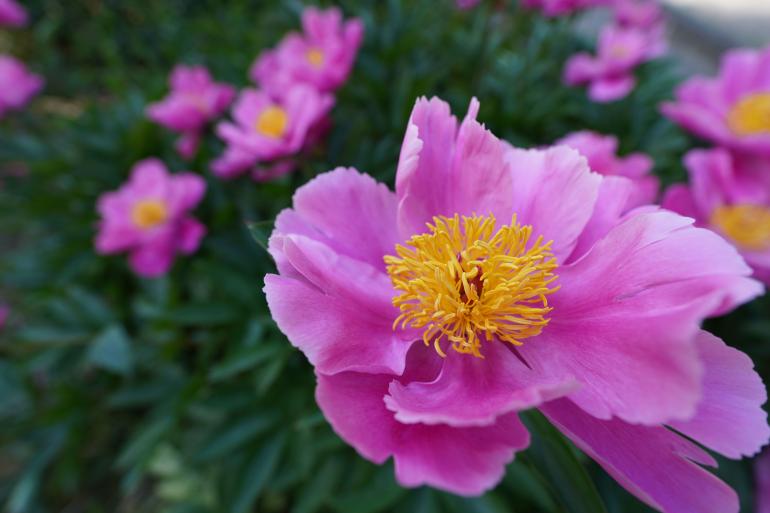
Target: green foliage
[179,394]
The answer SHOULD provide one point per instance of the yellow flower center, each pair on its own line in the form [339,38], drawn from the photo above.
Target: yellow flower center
[315,57]
[272,122]
[748,226]
[466,282]
[751,115]
[149,213]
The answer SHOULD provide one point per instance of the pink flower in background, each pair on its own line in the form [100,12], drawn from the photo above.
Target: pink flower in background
[322,56]
[17,84]
[730,195]
[731,109]
[762,476]
[467,4]
[12,14]
[601,152]
[560,7]
[4,312]
[610,74]
[149,218]
[495,280]
[266,129]
[194,100]
[643,14]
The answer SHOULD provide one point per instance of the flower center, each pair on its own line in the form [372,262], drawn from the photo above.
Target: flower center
[149,213]
[746,225]
[315,57]
[272,122]
[619,51]
[465,282]
[751,115]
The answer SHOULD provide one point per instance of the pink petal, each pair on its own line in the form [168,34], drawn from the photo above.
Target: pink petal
[191,231]
[678,198]
[610,89]
[471,391]
[555,192]
[730,418]
[464,461]
[331,331]
[152,259]
[653,463]
[624,321]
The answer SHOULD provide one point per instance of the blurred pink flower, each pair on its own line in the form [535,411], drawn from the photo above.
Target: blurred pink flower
[149,218]
[322,56]
[4,312]
[762,475]
[194,100]
[12,14]
[610,75]
[643,14]
[730,195]
[17,84]
[266,129]
[527,259]
[560,7]
[601,152]
[467,4]
[731,109]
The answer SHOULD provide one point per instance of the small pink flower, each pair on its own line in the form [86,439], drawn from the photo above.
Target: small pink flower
[731,109]
[561,7]
[467,4]
[194,100]
[762,475]
[610,75]
[266,129]
[149,218]
[601,152]
[729,194]
[12,14]
[5,311]
[643,14]
[322,56]
[494,280]
[17,84]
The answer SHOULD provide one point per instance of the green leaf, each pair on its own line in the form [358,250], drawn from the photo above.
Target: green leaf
[237,434]
[555,458]
[380,494]
[204,314]
[315,493]
[111,350]
[256,473]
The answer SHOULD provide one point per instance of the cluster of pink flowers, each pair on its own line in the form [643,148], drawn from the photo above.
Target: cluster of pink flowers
[635,36]
[289,111]
[17,84]
[195,99]
[148,217]
[729,189]
[496,279]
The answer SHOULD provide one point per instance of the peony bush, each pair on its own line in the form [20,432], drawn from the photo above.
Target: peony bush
[251,259]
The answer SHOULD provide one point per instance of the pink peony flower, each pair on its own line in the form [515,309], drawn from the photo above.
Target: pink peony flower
[12,14]
[149,218]
[609,75]
[732,109]
[561,7]
[322,56]
[643,14]
[495,280]
[17,84]
[762,475]
[601,152]
[730,195]
[266,129]
[194,100]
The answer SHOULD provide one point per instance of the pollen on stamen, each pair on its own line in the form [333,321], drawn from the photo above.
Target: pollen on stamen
[465,283]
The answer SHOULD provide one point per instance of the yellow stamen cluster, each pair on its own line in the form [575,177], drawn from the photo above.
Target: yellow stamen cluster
[315,57]
[748,226]
[466,282]
[751,115]
[272,122]
[149,213]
